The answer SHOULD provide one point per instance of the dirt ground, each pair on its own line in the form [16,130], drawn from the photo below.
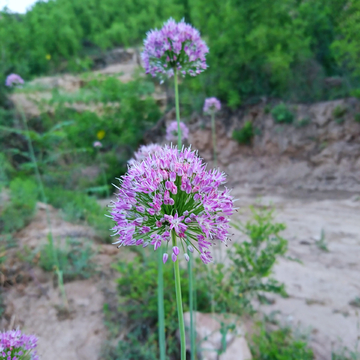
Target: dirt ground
[320,288]
[324,284]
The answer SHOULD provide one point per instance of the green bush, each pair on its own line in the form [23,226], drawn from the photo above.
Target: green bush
[19,211]
[282,114]
[248,275]
[77,206]
[245,134]
[279,344]
[74,259]
[339,111]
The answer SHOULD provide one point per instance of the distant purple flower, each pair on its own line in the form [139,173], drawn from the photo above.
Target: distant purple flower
[212,105]
[13,79]
[172,192]
[97,144]
[15,345]
[144,151]
[172,131]
[176,46]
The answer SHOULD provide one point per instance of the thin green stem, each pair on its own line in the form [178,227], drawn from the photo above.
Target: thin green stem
[191,308]
[179,302]
[44,200]
[177,108]
[161,313]
[214,137]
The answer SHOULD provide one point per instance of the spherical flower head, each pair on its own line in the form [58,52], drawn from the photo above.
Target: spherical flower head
[175,47]
[144,151]
[171,193]
[211,105]
[172,131]
[97,144]
[15,345]
[13,80]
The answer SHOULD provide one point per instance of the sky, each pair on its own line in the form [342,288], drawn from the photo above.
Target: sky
[18,6]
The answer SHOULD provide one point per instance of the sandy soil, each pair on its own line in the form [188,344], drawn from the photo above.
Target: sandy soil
[324,284]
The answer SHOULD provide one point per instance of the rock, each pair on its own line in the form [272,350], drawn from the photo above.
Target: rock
[218,337]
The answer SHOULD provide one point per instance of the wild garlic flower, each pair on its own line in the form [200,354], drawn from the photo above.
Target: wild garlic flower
[15,345]
[171,191]
[97,144]
[172,131]
[211,105]
[14,79]
[176,46]
[144,151]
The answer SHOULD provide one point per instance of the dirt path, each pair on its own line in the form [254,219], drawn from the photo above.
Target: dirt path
[321,287]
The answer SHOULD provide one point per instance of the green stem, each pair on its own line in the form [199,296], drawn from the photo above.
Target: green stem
[161,313]
[191,308]
[44,200]
[177,107]
[179,302]
[214,137]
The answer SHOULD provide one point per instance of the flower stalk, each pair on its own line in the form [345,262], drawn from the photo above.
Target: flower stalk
[177,108]
[179,302]
[214,137]
[161,312]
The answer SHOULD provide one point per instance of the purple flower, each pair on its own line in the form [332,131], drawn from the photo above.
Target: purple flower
[152,204]
[175,47]
[15,345]
[211,105]
[172,131]
[144,151]
[13,79]
[97,144]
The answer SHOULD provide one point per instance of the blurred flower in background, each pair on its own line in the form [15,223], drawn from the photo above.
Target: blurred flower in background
[211,105]
[100,134]
[97,144]
[14,79]
[172,131]
[144,151]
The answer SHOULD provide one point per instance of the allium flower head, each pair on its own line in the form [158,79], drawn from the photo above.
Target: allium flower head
[211,105]
[15,345]
[144,151]
[13,79]
[97,144]
[176,46]
[171,191]
[172,131]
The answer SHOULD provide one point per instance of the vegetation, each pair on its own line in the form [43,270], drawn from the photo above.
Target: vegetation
[280,48]
[282,114]
[245,134]
[230,291]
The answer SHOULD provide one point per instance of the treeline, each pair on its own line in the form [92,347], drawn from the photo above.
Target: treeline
[301,50]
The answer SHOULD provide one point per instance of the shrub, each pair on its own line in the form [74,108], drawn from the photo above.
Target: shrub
[282,114]
[357,117]
[251,262]
[339,111]
[77,206]
[19,211]
[245,134]
[279,344]
[75,259]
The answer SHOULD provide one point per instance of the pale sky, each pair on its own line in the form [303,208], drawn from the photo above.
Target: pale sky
[19,6]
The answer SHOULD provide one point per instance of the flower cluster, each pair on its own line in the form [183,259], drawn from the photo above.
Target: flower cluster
[172,195]
[15,345]
[176,46]
[211,105]
[97,144]
[13,79]
[144,151]
[172,131]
